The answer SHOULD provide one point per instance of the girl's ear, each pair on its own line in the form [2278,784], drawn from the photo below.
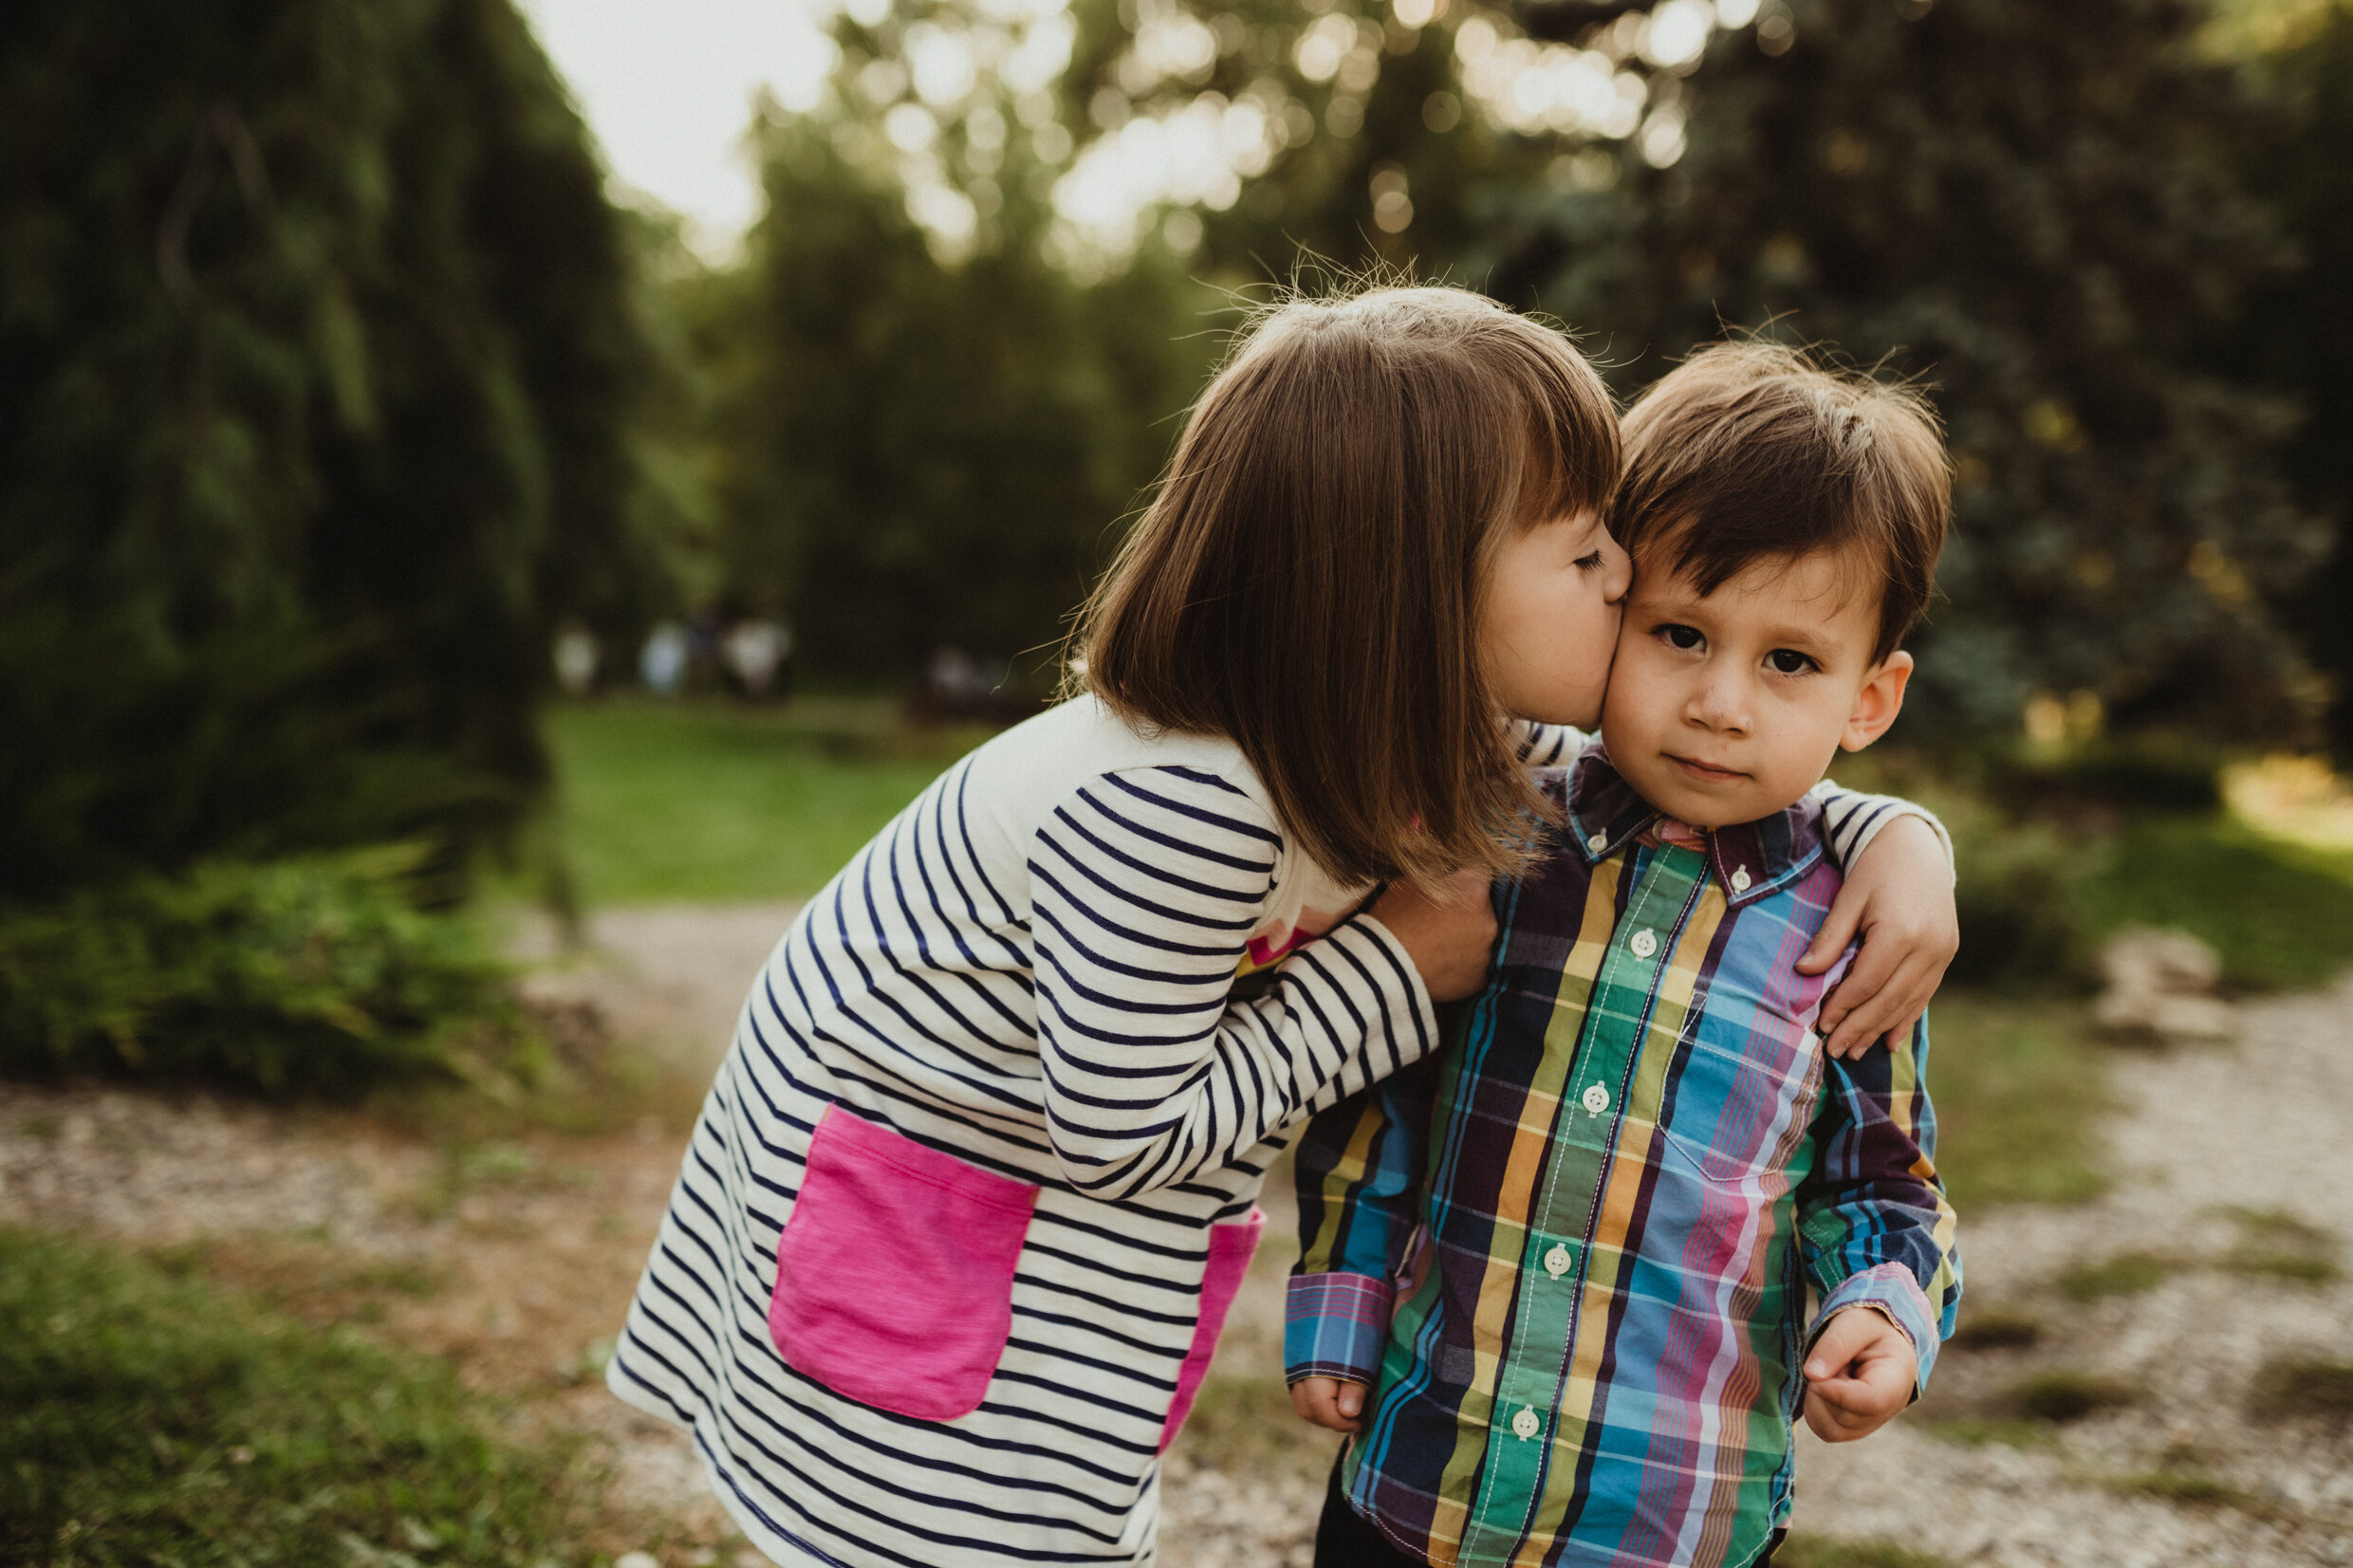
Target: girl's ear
[1878,702]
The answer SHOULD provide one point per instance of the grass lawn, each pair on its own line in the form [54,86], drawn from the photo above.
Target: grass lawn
[2019,1089]
[149,1417]
[2279,912]
[693,800]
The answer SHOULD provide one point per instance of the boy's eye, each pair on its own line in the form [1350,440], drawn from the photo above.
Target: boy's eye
[1788,661]
[1685,638]
[1589,563]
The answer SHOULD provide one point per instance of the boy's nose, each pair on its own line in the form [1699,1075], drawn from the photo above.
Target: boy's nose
[1720,705]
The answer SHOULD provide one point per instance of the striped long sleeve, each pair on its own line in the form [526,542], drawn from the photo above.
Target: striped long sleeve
[1145,886]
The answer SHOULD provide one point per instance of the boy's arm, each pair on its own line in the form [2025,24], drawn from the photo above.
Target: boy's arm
[1874,1226]
[1359,1169]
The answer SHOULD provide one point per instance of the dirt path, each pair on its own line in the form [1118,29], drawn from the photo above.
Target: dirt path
[514,1257]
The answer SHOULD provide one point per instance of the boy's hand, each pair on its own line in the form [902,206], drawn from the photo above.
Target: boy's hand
[1448,938]
[1329,1402]
[1900,895]
[1859,1375]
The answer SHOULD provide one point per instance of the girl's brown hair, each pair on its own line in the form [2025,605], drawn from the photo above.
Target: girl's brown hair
[1306,580]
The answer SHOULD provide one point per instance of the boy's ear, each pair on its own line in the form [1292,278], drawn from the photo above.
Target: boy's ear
[1878,702]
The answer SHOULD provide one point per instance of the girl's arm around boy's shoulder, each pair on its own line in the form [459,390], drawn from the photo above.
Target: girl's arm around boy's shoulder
[1896,897]
[1146,884]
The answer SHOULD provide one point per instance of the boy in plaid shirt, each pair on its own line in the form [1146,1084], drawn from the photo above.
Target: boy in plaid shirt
[1569,1257]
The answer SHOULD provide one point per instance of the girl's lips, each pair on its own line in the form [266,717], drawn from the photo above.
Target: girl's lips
[1705,773]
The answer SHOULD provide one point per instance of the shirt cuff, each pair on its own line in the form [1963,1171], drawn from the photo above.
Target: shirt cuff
[1334,1326]
[1892,1290]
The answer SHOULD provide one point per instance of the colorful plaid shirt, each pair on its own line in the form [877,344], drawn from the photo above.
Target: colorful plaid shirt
[1571,1253]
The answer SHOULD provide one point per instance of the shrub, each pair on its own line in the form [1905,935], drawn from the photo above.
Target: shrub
[305,975]
[2018,893]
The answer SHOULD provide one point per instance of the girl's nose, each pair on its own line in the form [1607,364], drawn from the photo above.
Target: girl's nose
[1620,581]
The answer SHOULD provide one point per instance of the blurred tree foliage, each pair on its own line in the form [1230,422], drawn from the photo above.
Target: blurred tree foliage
[920,442]
[320,375]
[2042,210]
[2300,335]
[2031,206]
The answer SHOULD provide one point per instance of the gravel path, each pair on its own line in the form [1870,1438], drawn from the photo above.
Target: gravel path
[2232,1206]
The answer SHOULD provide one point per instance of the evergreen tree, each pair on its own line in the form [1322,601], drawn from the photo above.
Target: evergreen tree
[2300,331]
[319,371]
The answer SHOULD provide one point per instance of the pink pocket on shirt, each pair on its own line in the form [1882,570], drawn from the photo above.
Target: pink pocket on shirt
[1230,1250]
[895,1272]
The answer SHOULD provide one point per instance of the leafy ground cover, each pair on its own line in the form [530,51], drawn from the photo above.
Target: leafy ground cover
[316,974]
[147,1417]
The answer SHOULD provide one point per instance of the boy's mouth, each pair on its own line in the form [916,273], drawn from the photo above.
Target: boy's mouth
[1705,772]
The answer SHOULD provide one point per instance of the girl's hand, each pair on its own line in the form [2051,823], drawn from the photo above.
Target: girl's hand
[1900,895]
[1329,1403]
[1448,938]
[1859,1375]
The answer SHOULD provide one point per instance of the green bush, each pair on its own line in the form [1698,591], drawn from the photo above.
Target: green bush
[150,1419]
[2019,898]
[307,975]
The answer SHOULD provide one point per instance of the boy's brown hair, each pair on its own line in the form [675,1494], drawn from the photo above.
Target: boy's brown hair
[1306,580]
[1751,451]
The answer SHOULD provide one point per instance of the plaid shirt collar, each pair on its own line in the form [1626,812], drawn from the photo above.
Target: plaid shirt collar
[1751,860]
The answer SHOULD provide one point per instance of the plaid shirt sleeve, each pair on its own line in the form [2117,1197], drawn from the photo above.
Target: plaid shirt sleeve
[1875,1225]
[1359,1169]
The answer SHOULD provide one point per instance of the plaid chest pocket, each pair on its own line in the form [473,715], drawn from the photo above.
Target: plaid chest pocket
[1743,1097]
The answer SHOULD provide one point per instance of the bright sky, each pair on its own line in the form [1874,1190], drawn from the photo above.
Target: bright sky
[668,89]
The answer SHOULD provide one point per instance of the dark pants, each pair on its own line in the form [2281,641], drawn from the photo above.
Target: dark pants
[1346,1539]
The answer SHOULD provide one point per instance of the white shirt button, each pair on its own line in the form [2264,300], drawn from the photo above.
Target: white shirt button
[1595,1098]
[1740,878]
[1598,843]
[1526,1423]
[1644,943]
[1557,1260]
